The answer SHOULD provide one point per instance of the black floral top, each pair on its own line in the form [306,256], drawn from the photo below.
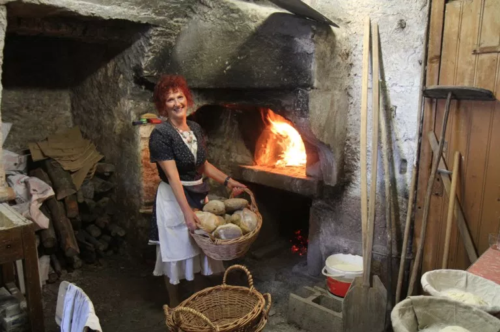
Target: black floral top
[165,143]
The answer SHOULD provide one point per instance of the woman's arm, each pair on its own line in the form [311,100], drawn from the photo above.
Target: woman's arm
[170,169]
[215,174]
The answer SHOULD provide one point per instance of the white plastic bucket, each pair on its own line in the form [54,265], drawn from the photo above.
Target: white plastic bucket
[343,267]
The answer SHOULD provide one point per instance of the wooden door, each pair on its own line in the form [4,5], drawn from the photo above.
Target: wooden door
[464,46]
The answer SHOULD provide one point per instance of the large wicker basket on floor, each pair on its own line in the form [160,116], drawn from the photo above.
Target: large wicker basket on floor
[222,308]
[226,250]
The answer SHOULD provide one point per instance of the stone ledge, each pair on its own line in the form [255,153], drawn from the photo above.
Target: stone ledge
[272,177]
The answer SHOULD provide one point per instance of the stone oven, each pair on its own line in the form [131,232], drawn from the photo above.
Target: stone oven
[274,65]
[95,67]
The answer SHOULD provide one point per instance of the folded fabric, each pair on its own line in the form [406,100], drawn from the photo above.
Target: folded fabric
[30,192]
[39,191]
[78,311]
[75,154]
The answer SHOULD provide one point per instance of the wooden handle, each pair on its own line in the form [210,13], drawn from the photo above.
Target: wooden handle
[451,209]
[373,184]
[176,311]
[406,234]
[427,201]
[239,267]
[362,139]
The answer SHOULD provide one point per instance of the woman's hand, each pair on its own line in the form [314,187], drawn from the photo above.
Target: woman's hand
[236,187]
[191,220]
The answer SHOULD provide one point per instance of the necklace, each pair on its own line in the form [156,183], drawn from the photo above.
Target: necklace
[186,135]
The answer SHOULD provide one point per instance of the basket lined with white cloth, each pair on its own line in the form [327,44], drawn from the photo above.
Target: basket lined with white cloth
[435,314]
[465,287]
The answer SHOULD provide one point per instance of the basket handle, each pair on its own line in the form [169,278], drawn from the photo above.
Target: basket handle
[269,301]
[240,267]
[253,204]
[191,311]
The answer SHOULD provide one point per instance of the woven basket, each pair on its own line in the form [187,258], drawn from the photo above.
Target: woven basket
[226,250]
[222,308]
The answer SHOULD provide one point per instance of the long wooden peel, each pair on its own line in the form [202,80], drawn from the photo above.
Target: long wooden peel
[364,306]
[375,120]
[390,218]
[362,140]
[352,297]
[451,208]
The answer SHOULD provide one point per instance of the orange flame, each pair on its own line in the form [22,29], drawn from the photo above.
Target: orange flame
[282,146]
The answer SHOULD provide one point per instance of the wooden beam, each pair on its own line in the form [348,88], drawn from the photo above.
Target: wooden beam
[459,214]
[486,49]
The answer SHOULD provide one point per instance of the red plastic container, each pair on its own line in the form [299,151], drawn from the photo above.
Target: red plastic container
[337,287]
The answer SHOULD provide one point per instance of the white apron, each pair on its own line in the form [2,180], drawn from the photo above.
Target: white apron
[177,254]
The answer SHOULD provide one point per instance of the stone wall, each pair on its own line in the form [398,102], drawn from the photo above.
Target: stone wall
[36,98]
[336,215]
[108,94]
[402,26]
[105,102]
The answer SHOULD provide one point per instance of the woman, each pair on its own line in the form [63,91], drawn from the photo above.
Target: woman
[177,147]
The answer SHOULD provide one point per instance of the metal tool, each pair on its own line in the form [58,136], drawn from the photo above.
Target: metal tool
[301,9]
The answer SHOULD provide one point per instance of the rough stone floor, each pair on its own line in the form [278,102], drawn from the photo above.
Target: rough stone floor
[128,298]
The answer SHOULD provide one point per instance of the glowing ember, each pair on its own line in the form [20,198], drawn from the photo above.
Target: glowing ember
[280,145]
[299,243]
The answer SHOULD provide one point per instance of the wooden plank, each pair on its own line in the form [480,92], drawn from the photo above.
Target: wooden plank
[363,138]
[486,49]
[489,76]
[480,132]
[432,78]
[462,117]
[435,231]
[462,224]
[11,245]
[8,273]
[374,149]
[490,218]
[33,290]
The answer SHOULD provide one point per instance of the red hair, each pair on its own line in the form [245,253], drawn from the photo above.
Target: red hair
[164,85]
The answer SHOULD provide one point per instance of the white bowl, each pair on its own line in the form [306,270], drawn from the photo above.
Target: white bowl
[342,265]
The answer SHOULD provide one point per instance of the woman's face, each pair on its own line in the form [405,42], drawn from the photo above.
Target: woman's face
[176,104]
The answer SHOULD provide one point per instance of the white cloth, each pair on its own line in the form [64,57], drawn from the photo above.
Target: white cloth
[190,140]
[178,255]
[31,192]
[78,312]
[187,268]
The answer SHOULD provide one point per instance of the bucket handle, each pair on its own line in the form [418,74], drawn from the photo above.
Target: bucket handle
[325,273]
[240,267]
[198,314]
